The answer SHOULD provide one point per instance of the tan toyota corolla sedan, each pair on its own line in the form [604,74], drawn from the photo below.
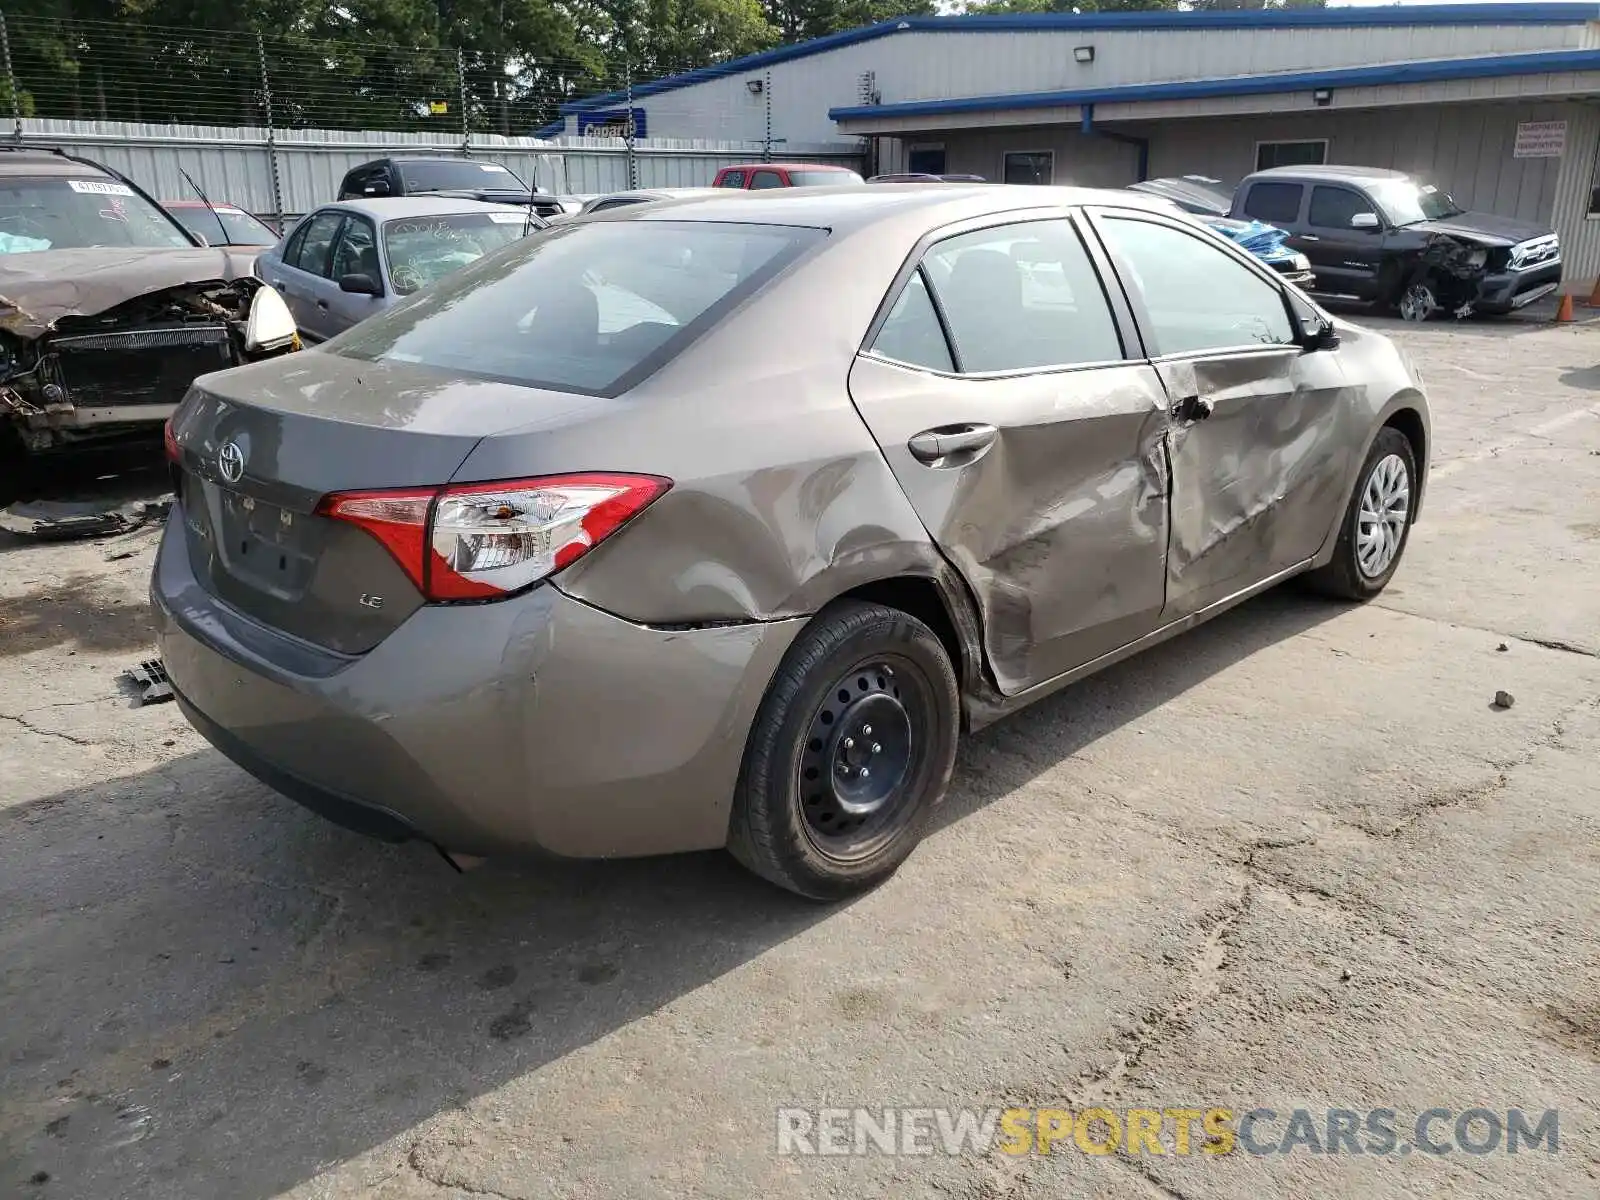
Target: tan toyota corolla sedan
[715,522]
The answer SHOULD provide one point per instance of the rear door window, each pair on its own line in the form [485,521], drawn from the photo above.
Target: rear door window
[1022,296]
[1274,203]
[585,307]
[315,243]
[766,179]
[911,333]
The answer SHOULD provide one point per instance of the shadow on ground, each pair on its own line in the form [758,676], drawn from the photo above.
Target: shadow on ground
[211,993]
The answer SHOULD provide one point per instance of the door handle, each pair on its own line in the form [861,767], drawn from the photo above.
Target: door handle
[1309,237]
[933,446]
[323,305]
[1192,408]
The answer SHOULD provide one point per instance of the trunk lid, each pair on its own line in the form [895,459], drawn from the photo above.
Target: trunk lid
[261,446]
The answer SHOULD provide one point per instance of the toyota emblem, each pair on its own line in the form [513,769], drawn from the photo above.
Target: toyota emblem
[230,461]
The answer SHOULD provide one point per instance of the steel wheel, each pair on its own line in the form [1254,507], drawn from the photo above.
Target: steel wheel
[1385,509]
[1418,302]
[860,752]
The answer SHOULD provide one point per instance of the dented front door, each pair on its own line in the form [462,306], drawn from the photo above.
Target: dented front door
[1256,466]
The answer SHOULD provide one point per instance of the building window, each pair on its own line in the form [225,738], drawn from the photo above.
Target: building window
[1029,166]
[1311,153]
[925,159]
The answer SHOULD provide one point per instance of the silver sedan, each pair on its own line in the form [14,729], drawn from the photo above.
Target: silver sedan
[718,522]
[343,262]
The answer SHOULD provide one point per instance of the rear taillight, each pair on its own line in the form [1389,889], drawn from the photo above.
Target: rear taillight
[479,541]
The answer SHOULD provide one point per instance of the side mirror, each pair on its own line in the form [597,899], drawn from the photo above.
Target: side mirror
[199,239]
[271,324]
[1366,220]
[1320,335]
[360,285]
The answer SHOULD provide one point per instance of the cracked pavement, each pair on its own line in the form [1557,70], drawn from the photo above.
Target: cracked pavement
[1293,859]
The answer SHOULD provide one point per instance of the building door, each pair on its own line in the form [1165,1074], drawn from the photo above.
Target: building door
[925,160]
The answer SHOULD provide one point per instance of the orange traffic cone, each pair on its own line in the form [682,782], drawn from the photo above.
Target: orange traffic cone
[1564,312]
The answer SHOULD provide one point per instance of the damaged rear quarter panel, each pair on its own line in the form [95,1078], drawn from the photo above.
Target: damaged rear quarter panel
[781,499]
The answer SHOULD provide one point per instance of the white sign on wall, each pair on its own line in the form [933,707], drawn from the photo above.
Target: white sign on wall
[1540,139]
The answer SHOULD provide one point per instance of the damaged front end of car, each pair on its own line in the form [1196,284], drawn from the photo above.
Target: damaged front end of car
[70,376]
[1461,277]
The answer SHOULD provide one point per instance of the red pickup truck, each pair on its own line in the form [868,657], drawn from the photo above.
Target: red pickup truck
[754,176]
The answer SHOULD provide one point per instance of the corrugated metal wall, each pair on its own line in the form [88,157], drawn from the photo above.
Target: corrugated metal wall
[234,164]
[1580,235]
[924,65]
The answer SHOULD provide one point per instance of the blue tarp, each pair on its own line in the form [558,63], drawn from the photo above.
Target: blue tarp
[1264,241]
[13,243]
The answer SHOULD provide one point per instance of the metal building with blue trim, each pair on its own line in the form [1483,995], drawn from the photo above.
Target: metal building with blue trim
[1499,103]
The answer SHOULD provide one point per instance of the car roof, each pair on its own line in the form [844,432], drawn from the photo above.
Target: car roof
[1332,171]
[853,207]
[390,208]
[787,166]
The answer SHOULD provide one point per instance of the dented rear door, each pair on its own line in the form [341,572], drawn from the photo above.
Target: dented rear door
[1254,448]
[1033,450]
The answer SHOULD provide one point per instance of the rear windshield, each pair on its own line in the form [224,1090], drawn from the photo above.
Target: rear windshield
[589,308]
[823,178]
[72,214]
[446,176]
[226,226]
[424,249]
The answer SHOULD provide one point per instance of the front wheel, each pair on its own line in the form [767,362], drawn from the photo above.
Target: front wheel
[852,747]
[1376,524]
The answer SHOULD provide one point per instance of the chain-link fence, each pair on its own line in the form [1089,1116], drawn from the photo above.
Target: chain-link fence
[130,71]
[272,121]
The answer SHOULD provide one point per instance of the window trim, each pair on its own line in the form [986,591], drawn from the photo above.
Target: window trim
[1005,154]
[1122,317]
[1102,212]
[1282,141]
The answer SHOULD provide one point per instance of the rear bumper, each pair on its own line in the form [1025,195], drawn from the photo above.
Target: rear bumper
[538,723]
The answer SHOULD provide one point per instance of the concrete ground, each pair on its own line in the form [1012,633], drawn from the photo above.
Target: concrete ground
[1292,860]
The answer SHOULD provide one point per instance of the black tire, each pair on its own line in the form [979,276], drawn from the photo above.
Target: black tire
[1344,576]
[807,759]
[18,469]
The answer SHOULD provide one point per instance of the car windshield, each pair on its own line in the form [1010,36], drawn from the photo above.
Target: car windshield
[226,226]
[423,249]
[1406,203]
[72,214]
[584,307]
[823,178]
[446,176]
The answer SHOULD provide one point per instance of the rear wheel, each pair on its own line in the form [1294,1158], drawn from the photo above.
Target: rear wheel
[852,747]
[1377,522]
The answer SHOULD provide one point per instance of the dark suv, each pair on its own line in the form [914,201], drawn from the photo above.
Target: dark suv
[1385,238]
[463,178]
[109,308]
